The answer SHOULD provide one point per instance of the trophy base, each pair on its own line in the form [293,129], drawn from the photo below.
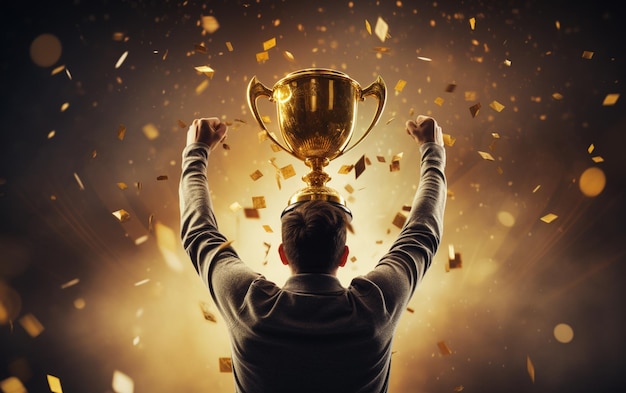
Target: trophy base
[320,193]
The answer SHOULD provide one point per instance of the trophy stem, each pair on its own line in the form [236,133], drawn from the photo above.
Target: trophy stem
[316,177]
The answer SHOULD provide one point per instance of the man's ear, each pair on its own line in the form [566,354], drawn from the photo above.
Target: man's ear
[283,256]
[344,256]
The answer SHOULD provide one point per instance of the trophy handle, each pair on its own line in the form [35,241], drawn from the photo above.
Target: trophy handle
[378,90]
[257,89]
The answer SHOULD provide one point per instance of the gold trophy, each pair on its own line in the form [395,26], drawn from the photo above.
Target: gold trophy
[317,109]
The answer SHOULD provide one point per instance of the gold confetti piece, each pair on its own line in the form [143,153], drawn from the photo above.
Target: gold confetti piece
[287,171]
[182,124]
[121,185]
[472,22]
[486,156]
[381,29]
[138,185]
[610,99]
[202,86]
[474,109]
[459,388]
[345,169]
[121,132]
[422,58]
[266,119]
[359,167]
[206,70]
[258,202]
[251,213]
[495,135]
[448,140]
[406,208]
[507,62]
[530,368]
[439,101]
[256,175]
[206,312]
[470,96]
[587,55]
[150,131]
[53,197]
[399,220]
[443,348]
[380,159]
[118,36]
[268,229]
[141,240]
[142,282]
[289,56]
[226,365]
[536,188]
[200,48]
[597,159]
[94,154]
[51,134]
[31,324]
[400,85]
[557,96]
[368,27]
[382,49]
[495,105]
[235,207]
[65,106]
[454,259]
[450,88]
[54,383]
[57,70]
[162,177]
[70,283]
[210,24]
[122,215]
[409,309]
[269,44]
[122,383]
[229,46]
[591,148]
[349,188]
[394,166]
[121,60]
[262,57]
[12,385]
[81,186]
[548,218]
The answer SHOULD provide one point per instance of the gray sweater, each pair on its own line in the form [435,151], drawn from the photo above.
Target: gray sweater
[311,335]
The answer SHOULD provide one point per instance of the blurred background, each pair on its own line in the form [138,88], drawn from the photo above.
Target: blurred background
[526,293]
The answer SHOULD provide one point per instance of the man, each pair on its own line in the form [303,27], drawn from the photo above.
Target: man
[312,335]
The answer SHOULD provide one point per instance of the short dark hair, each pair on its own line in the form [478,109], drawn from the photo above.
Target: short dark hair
[314,236]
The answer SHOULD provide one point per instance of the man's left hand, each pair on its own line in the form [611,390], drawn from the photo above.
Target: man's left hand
[210,131]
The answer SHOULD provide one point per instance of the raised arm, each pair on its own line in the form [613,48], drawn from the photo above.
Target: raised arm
[403,266]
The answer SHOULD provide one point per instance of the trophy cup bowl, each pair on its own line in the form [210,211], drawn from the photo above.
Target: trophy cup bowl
[317,109]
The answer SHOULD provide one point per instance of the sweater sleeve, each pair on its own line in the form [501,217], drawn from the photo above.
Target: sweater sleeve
[409,257]
[218,265]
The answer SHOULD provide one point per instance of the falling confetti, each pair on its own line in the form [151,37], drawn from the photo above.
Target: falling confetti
[443,348]
[121,60]
[54,383]
[474,109]
[122,383]
[122,215]
[472,22]
[269,44]
[530,368]
[610,99]
[381,29]
[548,218]
[210,24]
[226,365]
[206,70]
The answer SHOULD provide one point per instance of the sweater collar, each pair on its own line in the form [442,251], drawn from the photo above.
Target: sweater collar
[313,283]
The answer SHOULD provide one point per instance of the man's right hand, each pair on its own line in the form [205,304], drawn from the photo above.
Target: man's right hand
[425,129]
[210,131]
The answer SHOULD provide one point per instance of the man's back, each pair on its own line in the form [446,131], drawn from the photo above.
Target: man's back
[312,335]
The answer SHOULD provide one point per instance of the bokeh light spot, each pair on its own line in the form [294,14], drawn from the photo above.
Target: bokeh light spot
[506,219]
[592,182]
[45,50]
[563,333]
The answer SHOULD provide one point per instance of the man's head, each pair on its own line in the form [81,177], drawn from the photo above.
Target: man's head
[314,237]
